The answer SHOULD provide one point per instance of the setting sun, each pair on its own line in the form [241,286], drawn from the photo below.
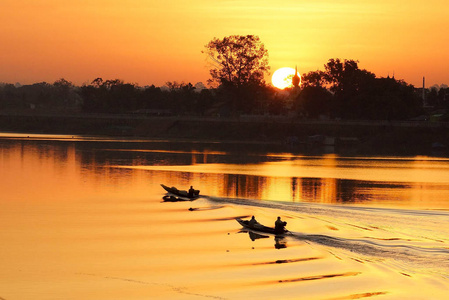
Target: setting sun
[282,78]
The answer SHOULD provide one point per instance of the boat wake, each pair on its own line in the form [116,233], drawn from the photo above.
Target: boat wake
[415,255]
[411,238]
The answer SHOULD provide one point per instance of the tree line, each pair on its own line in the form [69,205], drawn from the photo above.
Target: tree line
[345,91]
[104,96]
[238,67]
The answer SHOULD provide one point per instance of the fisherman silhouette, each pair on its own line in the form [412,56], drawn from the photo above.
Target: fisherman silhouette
[279,226]
[191,192]
[253,221]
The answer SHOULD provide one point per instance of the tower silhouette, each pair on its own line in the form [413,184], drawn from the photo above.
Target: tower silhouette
[296,79]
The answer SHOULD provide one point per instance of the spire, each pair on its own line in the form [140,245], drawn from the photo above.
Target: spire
[296,79]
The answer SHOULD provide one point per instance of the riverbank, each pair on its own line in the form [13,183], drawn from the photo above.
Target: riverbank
[358,136]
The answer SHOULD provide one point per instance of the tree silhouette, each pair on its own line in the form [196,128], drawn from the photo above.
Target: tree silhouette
[97,82]
[313,79]
[356,94]
[237,60]
[239,64]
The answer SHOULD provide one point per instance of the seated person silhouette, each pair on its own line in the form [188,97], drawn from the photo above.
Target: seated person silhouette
[191,192]
[253,221]
[279,225]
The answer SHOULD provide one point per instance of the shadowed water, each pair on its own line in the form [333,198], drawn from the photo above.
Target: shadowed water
[87,215]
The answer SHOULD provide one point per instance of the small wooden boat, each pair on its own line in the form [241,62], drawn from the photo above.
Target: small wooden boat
[259,227]
[181,193]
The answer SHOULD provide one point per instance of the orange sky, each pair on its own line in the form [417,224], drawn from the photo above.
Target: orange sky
[152,42]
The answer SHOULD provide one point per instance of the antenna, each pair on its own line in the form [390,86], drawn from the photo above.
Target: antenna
[424,90]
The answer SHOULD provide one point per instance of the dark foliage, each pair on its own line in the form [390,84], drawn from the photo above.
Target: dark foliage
[237,60]
[239,64]
[357,94]
[314,101]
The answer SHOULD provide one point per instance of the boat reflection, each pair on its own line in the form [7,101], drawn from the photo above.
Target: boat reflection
[254,236]
[168,198]
[280,242]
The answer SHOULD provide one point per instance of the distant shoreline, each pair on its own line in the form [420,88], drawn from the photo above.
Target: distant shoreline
[356,136]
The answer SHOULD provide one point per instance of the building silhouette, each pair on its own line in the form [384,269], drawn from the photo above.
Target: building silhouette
[295,79]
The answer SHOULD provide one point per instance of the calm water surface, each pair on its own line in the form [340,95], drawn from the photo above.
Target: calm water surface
[84,218]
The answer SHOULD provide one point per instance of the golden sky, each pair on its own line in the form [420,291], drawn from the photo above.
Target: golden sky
[152,42]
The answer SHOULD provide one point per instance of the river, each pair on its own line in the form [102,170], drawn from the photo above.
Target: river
[83,218]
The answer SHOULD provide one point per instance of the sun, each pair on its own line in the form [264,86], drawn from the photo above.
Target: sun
[282,78]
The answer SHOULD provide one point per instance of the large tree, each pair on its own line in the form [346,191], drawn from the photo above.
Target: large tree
[237,60]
